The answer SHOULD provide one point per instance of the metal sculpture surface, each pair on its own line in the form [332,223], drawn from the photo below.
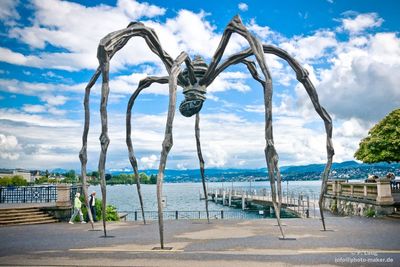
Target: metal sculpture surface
[195,79]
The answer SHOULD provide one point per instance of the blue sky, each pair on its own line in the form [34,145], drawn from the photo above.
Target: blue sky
[48,53]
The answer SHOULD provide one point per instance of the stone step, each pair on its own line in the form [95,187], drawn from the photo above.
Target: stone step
[16,214]
[19,216]
[28,220]
[16,210]
[395,215]
[23,216]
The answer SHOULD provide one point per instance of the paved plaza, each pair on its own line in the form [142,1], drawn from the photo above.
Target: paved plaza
[349,241]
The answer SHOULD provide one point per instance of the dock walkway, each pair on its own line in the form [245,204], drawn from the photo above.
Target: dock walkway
[302,205]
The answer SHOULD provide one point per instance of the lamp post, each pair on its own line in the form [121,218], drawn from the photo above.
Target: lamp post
[250,186]
[287,191]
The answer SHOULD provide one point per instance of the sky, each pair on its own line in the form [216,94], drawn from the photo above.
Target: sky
[48,54]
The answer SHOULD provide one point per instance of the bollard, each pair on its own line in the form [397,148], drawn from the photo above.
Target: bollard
[135,215]
[176,215]
[222,214]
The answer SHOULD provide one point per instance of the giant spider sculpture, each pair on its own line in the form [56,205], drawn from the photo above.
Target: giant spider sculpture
[195,79]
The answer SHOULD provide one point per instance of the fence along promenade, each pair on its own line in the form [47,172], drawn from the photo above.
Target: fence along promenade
[59,194]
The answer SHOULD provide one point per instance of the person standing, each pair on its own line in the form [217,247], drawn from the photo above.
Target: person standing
[92,204]
[77,209]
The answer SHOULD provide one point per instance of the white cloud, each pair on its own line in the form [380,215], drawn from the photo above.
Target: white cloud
[54,100]
[226,140]
[230,81]
[134,10]
[63,61]
[263,32]
[8,11]
[42,109]
[37,89]
[33,108]
[360,69]
[58,23]
[149,162]
[9,147]
[310,48]
[29,119]
[361,22]
[243,6]
[361,81]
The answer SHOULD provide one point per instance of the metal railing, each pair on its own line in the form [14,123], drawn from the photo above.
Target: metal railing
[73,190]
[302,204]
[196,215]
[28,194]
[395,186]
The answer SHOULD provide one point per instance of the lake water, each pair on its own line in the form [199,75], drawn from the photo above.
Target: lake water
[186,196]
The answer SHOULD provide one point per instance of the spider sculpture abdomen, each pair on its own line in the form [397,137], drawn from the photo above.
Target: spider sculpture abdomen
[195,94]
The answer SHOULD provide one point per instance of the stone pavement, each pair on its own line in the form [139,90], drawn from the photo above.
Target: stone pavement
[351,241]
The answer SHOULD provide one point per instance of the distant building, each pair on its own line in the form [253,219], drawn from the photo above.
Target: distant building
[36,174]
[12,172]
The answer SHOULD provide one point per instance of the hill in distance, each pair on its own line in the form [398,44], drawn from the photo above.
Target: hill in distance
[346,170]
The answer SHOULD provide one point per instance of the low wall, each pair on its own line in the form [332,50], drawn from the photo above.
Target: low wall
[356,207]
[359,199]
[61,213]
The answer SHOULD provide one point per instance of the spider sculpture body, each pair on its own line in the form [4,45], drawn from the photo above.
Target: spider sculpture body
[194,80]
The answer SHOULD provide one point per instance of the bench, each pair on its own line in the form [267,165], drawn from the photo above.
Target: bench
[122,215]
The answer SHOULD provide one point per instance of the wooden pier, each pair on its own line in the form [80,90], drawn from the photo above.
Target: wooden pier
[300,204]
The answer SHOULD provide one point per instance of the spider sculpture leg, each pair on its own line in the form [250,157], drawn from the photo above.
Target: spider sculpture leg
[104,139]
[201,161]
[83,152]
[168,139]
[251,66]
[108,46]
[302,76]
[236,26]
[142,85]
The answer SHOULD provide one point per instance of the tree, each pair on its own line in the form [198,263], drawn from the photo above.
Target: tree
[144,179]
[95,174]
[18,180]
[15,180]
[153,179]
[41,180]
[5,181]
[70,177]
[382,142]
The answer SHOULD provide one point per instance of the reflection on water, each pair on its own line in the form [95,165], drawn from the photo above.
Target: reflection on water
[186,196]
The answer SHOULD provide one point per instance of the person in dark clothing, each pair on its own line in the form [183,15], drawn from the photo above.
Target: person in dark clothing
[92,205]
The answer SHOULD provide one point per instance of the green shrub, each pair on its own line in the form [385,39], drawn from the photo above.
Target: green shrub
[111,211]
[370,212]
[333,207]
